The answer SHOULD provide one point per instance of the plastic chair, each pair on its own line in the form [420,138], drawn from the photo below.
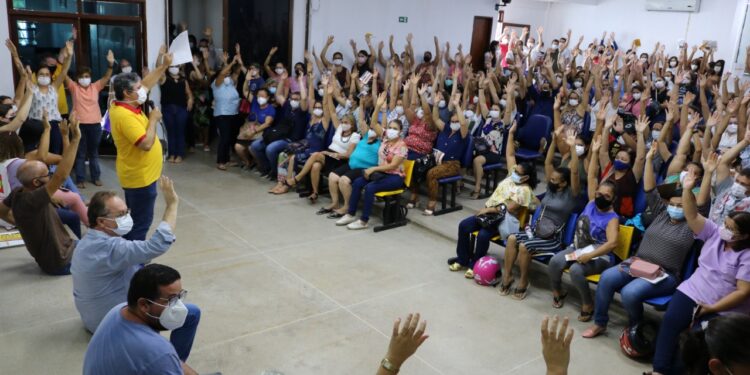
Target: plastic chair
[530,137]
[394,212]
[621,252]
[452,182]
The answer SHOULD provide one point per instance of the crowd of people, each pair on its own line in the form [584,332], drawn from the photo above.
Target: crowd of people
[628,126]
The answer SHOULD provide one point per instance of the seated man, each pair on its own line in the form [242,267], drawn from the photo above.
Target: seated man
[104,262]
[30,209]
[128,339]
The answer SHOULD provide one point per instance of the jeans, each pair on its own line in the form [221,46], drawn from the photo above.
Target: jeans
[225,126]
[678,317]
[267,155]
[182,338]
[633,291]
[463,250]
[141,203]
[71,220]
[175,120]
[88,147]
[55,138]
[389,182]
[578,273]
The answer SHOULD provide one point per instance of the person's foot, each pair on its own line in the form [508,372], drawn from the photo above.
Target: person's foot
[282,190]
[475,194]
[221,167]
[346,220]
[469,274]
[178,160]
[98,183]
[520,292]
[585,316]
[593,331]
[455,267]
[81,185]
[504,288]
[276,187]
[171,159]
[357,225]
[206,149]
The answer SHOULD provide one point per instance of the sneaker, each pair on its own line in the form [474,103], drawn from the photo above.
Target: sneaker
[469,274]
[455,267]
[359,224]
[346,220]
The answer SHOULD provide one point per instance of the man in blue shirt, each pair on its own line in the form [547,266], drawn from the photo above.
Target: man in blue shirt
[128,339]
[104,262]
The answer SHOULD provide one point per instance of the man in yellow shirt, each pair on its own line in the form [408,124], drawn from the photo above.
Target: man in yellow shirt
[139,153]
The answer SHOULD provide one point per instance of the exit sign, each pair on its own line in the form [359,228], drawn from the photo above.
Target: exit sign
[403,19]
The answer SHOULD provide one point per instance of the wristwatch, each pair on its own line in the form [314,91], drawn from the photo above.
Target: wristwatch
[388,366]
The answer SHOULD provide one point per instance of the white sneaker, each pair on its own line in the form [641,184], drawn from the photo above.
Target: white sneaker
[359,224]
[345,220]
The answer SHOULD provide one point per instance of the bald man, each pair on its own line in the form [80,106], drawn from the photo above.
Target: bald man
[30,207]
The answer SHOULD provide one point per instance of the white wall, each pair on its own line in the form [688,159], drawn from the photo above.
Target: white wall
[449,20]
[6,66]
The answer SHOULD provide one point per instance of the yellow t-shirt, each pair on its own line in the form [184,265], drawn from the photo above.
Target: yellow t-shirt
[62,99]
[135,168]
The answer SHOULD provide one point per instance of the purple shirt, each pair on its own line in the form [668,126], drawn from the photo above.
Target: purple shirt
[718,271]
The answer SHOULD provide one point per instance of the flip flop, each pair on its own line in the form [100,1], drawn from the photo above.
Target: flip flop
[324,211]
[504,290]
[585,316]
[520,294]
[559,302]
[335,215]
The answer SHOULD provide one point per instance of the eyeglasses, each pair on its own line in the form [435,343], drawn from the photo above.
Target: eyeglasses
[172,300]
[49,174]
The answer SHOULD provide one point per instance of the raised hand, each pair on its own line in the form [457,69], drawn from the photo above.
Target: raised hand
[273,50]
[642,124]
[422,90]
[596,144]
[556,345]
[406,339]
[155,114]
[353,43]
[652,151]
[69,48]
[570,139]
[167,188]
[329,41]
[381,99]
[64,126]
[689,181]
[110,57]
[513,127]
[11,48]
[710,163]
[75,128]
[713,120]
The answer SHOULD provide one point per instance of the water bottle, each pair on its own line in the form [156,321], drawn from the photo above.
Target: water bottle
[529,232]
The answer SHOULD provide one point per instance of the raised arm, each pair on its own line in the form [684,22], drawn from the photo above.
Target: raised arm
[649,178]
[108,74]
[549,166]
[153,76]
[23,111]
[593,171]
[641,126]
[510,147]
[267,62]
[689,206]
[68,158]
[324,52]
[60,79]
[374,120]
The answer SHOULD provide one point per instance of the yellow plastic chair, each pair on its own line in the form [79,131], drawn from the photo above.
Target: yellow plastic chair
[622,251]
[394,212]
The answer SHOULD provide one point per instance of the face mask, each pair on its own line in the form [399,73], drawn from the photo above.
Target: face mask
[468,114]
[686,81]
[621,140]
[262,101]
[227,80]
[173,70]
[725,234]
[361,59]
[676,213]
[717,69]
[494,114]
[173,316]
[441,104]
[693,67]
[449,82]
[659,84]
[617,77]
[515,177]
[580,150]
[279,71]
[672,64]
[655,134]
[555,47]
[577,84]
[127,69]
[124,225]
[503,103]
[559,80]
[420,113]
[621,165]
[294,104]
[732,128]
[142,95]
[44,81]
[371,133]
[668,78]
[683,174]
[348,103]
[318,112]
[399,109]
[272,90]
[476,99]
[602,203]
[346,127]
[573,102]
[530,45]
[321,92]
[637,95]
[690,117]
[455,126]
[337,62]
[643,60]
[391,133]
[738,191]
[85,82]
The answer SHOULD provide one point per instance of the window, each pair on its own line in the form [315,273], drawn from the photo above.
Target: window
[67,6]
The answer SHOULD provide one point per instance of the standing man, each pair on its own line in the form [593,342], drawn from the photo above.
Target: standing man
[139,152]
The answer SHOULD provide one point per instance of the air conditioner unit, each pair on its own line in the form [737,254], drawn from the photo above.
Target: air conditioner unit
[673,5]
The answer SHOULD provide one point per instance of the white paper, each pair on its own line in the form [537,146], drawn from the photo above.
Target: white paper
[576,254]
[657,279]
[180,49]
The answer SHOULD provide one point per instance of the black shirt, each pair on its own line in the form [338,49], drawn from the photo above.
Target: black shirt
[174,92]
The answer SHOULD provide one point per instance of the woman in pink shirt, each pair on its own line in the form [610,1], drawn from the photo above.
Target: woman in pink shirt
[86,104]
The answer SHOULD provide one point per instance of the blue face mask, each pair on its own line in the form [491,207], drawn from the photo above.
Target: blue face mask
[272,90]
[621,165]
[449,82]
[675,212]
[515,178]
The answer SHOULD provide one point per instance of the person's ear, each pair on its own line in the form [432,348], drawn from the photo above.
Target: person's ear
[715,366]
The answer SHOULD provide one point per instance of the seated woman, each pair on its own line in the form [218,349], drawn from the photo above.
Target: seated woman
[364,156]
[250,140]
[422,133]
[666,243]
[720,284]
[517,193]
[561,198]
[596,233]
[488,144]
[388,175]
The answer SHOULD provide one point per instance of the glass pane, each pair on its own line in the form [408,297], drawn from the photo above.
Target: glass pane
[63,6]
[110,8]
[121,39]
[37,40]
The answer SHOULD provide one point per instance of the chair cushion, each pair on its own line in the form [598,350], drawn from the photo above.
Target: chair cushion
[527,154]
[448,180]
[384,194]
[659,301]
[489,167]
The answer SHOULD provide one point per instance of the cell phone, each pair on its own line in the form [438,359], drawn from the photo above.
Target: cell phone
[637,42]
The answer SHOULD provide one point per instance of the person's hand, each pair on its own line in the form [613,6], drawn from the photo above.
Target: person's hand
[273,50]
[11,48]
[45,118]
[705,309]
[733,106]
[689,98]
[610,122]
[368,172]
[642,124]
[381,100]
[168,59]
[69,49]
[236,48]
[556,345]
[110,57]
[167,188]
[558,101]
[155,114]
[406,339]
[570,139]
[64,128]
[74,125]
[696,119]
[713,120]
[710,163]
[652,151]
[422,90]
[689,181]
[596,144]
[584,258]
[353,43]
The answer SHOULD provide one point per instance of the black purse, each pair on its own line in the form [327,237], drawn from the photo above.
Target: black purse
[480,145]
[491,221]
[545,227]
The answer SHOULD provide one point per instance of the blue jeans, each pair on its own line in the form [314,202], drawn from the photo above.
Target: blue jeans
[267,155]
[389,182]
[633,291]
[175,120]
[463,250]
[141,203]
[225,126]
[182,338]
[88,147]
[71,220]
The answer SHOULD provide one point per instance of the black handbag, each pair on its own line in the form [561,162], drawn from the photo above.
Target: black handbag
[422,165]
[480,145]
[491,221]
[545,227]
[278,131]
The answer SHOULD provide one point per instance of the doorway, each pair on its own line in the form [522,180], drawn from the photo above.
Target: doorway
[480,40]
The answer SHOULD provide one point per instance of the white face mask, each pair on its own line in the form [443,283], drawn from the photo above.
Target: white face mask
[294,104]
[637,96]
[732,128]
[476,99]
[44,81]
[643,60]
[659,84]
[420,113]
[85,82]
[321,92]
[318,112]
[683,174]
[693,66]
[655,134]
[580,150]
[173,316]
[672,64]
[503,103]
[346,127]
[399,109]
[441,104]
[279,71]
[337,62]
[455,126]
[717,69]
[738,191]
[494,114]
[555,47]
[262,100]
[227,80]
[371,133]
[573,102]
[142,95]
[559,80]
[124,225]
[127,69]
[174,70]
[391,133]
[468,114]
[577,84]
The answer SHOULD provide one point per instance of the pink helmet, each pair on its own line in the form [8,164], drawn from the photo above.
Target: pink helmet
[486,270]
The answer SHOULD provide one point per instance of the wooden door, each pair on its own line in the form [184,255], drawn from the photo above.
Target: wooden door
[480,40]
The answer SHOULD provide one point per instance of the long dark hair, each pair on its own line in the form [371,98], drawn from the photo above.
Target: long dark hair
[529,169]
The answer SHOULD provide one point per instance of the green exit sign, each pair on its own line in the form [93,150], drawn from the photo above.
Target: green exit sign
[403,19]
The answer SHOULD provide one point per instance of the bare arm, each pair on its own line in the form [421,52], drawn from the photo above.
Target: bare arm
[65,67]
[68,158]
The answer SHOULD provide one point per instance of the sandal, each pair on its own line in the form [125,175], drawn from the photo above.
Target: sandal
[452,260]
[81,185]
[335,215]
[313,198]
[593,331]
[585,316]
[324,211]
[475,194]
[221,167]
[520,294]
[504,289]
[559,301]
[455,267]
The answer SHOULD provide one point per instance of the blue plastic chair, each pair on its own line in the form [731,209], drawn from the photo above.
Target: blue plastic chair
[530,137]
[639,201]
[452,181]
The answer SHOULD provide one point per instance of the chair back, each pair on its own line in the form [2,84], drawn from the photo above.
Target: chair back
[624,240]
[468,155]
[408,169]
[570,230]
[537,127]
[535,217]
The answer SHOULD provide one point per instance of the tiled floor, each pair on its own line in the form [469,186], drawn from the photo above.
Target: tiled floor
[284,289]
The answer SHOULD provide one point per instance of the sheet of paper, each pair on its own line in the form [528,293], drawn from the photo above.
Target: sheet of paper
[10,239]
[180,49]
[656,280]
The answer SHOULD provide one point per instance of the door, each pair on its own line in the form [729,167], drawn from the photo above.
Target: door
[480,40]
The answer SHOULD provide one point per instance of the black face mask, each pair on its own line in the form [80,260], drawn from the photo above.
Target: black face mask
[554,187]
[427,58]
[602,203]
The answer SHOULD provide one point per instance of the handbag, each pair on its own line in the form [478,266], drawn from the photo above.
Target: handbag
[545,227]
[644,269]
[422,165]
[491,221]
[245,106]
[480,145]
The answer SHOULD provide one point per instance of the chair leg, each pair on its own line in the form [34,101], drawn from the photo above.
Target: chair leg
[393,217]
[445,208]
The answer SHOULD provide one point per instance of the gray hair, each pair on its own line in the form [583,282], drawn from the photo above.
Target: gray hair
[124,82]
